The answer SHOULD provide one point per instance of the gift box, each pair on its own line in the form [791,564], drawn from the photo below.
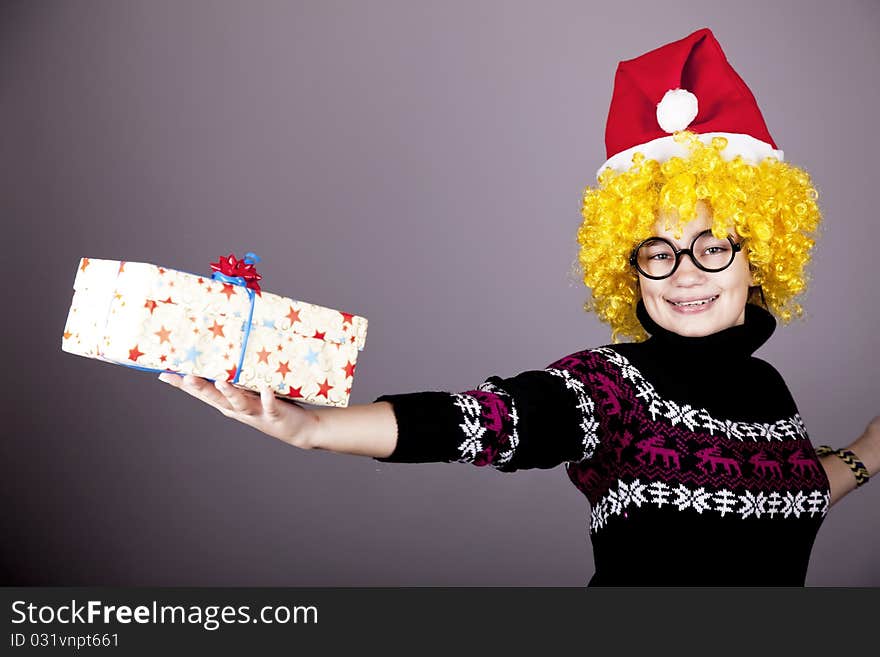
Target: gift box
[220,326]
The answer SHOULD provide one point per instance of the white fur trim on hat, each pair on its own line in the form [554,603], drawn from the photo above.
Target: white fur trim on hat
[752,150]
[677,109]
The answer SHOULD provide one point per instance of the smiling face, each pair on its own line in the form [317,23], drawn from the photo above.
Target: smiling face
[727,289]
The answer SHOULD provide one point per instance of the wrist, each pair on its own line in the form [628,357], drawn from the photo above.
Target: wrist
[307,436]
[322,425]
[837,458]
[867,449]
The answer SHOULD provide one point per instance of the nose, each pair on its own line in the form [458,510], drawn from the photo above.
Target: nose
[688,274]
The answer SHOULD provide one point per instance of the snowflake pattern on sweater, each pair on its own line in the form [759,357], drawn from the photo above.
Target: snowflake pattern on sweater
[697,461]
[646,457]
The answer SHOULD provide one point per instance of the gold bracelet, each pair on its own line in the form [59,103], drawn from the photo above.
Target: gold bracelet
[847,456]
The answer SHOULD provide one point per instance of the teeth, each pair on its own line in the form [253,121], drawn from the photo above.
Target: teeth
[694,303]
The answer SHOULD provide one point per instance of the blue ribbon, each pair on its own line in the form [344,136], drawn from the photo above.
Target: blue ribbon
[250,259]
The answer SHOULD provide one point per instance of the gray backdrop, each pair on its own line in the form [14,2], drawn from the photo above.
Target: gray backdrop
[417,163]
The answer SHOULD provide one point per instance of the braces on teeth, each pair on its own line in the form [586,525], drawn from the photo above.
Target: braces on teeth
[695,303]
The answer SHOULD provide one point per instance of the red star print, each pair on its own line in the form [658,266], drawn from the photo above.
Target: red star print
[346,318]
[134,354]
[319,335]
[230,374]
[349,369]
[161,271]
[348,391]
[67,335]
[163,334]
[283,369]
[163,358]
[217,330]
[168,300]
[352,339]
[121,266]
[228,290]
[151,305]
[324,388]
[295,392]
[293,316]
[200,280]
[85,263]
[263,355]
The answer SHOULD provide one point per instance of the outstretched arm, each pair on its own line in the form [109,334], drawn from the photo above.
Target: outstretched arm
[536,419]
[867,448]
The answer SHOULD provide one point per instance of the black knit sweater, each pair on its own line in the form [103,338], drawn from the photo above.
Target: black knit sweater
[691,452]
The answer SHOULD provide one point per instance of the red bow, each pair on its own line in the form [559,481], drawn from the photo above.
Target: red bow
[232,266]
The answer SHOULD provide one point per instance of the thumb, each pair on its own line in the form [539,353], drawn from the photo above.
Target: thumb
[270,404]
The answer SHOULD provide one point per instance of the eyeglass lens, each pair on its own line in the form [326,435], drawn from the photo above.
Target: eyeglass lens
[657,258]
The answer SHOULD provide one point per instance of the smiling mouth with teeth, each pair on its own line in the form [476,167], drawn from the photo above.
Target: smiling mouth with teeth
[687,304]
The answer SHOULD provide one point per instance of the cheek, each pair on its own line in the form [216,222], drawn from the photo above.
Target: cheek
[652,289]
[738,279]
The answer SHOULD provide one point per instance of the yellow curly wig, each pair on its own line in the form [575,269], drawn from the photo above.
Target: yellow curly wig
[773,204]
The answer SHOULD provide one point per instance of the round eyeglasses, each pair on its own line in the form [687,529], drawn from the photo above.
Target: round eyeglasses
[657,257]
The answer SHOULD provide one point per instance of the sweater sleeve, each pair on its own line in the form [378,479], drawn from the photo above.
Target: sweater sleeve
[536,419]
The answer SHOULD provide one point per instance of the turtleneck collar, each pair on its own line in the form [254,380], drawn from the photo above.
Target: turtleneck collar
[740,341]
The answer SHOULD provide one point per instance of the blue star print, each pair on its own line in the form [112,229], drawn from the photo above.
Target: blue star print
[192,354]
[311,357]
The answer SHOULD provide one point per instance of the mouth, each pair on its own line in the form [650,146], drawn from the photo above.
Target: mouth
[693,305]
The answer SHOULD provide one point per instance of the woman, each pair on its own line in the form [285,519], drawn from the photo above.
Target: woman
[690,450]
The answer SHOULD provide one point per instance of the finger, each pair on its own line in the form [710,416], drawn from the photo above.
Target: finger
[171,379]
[239,401]
[202,389]
[270,404]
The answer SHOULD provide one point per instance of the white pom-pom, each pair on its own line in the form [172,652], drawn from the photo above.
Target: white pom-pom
[677,109]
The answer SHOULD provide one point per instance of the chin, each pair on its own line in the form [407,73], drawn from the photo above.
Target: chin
[694,330]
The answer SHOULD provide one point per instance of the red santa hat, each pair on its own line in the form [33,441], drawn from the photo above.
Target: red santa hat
[686,84]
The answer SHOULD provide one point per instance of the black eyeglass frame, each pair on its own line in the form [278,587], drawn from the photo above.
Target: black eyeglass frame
[633,258]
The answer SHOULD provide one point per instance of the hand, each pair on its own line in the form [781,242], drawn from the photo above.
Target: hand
[285,420]
[867,446]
